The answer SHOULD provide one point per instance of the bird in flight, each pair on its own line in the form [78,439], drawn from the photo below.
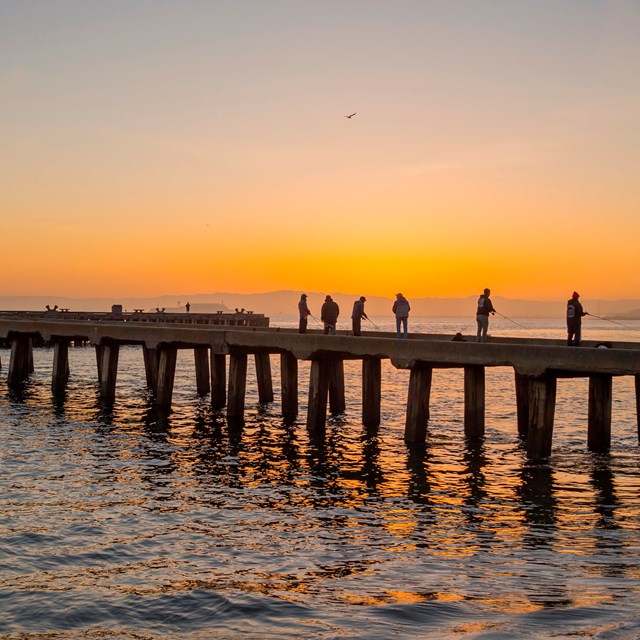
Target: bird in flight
[351,116]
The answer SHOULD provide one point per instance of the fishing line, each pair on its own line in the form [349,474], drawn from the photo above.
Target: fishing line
[614,322]
[510,320]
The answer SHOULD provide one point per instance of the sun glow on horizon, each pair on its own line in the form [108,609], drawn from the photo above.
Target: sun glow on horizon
[196,157]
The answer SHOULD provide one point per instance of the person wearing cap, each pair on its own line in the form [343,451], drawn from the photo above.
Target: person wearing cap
[329,315]
[304,313]
[401,310]
[485,307]
[574,320]
[357,314]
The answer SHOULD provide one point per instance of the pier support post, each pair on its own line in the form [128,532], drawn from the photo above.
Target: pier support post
[599,429]
[542,405]
[474,385]
[237,385]
[151,366]
[218,380]
[60,374]
[637,377]
[337,403]
[167,356]
[21,359]
[108,369]
[321,371]
[201,356]
[289,384]
[371,391]
[263,376]
[418,403]
[522,403]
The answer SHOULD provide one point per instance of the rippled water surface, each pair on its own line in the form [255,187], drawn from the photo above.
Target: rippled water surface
[123,523]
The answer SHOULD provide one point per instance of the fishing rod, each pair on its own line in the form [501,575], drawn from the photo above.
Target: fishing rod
[317,320]
[373,323]
[613,321]
[510,320]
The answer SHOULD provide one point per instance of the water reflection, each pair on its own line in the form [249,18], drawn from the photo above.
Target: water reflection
[538,502]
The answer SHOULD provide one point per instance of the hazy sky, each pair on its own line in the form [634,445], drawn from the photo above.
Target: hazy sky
[157,146]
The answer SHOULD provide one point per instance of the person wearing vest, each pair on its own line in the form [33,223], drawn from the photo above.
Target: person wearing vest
[329,315]
[303,311]
[485,307]
[574,320]
[357,314]
[401,310]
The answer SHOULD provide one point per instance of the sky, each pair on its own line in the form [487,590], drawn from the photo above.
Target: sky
[186,146]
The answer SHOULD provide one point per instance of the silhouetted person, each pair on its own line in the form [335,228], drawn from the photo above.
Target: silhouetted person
[401,310]
[304,313]
[574,320]
[485,307]
[357,314]
[187,306]
[329,315]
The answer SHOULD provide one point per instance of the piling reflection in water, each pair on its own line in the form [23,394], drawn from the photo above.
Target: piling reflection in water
[180,524]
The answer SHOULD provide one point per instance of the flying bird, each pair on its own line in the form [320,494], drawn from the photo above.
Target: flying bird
[351,116]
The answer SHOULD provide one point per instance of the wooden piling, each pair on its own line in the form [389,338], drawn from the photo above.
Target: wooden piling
[418,403]
[321,371]
[599,425]
[108,370]
[371,391]
[337,402]
[203,383]
[289,384]
[542,405]
[237,385]
[218,380]
[98,350]
[167,357]
[60,374]
[151,366]
[637,378]
[21,356]
[522,403]
[474,386]
[263,377]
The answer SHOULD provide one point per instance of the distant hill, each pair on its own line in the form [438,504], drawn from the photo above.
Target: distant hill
[634,314]
[285,303]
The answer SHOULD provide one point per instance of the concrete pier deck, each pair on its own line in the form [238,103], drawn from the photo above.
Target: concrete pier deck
[537,364]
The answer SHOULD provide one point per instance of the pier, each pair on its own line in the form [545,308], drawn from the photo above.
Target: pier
[221,353]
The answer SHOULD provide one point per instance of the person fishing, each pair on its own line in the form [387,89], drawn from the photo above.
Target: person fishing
[329,313]
[357,315]
[485,307]
[574,320]
[304,313]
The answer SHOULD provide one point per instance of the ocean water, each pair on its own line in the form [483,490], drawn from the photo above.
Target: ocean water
[122,522]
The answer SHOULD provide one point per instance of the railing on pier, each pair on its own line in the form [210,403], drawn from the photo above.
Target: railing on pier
[227,319]
[537,364]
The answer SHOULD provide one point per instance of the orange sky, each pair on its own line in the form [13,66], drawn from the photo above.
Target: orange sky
[191,147]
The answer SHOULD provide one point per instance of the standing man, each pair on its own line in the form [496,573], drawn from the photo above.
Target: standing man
[304,312]
[329,315]
[574,320]
[485,307]
[401,309]
[357,314]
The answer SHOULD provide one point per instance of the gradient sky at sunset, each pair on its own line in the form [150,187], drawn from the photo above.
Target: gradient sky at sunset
[158,146]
